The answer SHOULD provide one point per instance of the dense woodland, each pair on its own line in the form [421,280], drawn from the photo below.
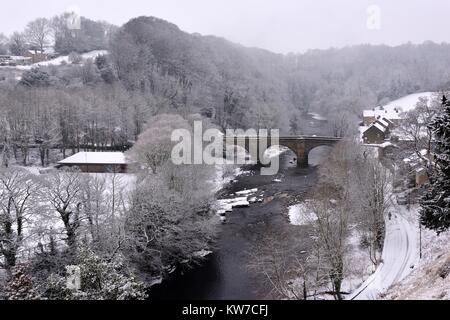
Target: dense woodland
[157,78]
[157,68]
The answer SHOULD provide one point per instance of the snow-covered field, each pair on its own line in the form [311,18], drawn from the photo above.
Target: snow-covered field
[48,222]
[395,109]
[407,103]
[62,59]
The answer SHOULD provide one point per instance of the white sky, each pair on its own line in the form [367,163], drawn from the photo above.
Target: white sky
[278,25]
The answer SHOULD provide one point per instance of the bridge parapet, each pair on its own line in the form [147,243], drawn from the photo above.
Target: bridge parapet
[300,145]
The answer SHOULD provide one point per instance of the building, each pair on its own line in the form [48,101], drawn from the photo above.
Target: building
[421,177]
[377,133]
[385,121]
[97,162]
[369,117]
[36,56]
[415,167]
[393,115]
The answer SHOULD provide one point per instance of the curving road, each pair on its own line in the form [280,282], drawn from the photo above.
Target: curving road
[400,255]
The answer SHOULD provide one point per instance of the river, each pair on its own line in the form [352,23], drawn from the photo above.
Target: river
[225,274]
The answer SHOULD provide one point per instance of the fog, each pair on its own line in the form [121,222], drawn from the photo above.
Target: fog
[277,25]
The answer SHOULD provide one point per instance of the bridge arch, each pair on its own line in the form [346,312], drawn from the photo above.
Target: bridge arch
[301,145]
[317,155]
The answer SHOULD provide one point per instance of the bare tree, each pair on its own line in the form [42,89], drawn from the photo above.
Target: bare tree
[287,274]
[62,190]
[331,230]
[154,146]
[5,143]
[3,44]
[415,127]
[18,191]
[17,44]
[371,192]
[37,33]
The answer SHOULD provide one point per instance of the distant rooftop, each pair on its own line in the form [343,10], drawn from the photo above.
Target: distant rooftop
[106,158]
[379,126]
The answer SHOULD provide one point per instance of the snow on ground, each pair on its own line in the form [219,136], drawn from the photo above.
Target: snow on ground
[400,254]
[226,205]
[275,151]
[426,282]
[317,116]
[224,175]
[395,109]
[408,103]
[358,266]
[48,222]
[62,59]
[246,192]
[300,215]
[227,172]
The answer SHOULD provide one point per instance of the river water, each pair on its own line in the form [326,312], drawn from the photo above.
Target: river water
[225,274]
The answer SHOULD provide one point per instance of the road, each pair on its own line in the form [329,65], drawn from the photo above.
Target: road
[400,254]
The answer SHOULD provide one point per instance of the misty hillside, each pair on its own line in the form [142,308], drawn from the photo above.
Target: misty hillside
[236,86]
[146,50]
[99,201]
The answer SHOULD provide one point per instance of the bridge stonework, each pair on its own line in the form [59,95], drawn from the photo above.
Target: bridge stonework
[301,145]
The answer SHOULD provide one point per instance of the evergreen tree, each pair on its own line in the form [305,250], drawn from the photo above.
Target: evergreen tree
[21,286]
[435,212]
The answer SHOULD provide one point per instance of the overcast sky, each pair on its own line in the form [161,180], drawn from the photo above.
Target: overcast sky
[278,25]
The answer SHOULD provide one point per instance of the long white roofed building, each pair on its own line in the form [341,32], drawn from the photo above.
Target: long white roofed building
[97,162]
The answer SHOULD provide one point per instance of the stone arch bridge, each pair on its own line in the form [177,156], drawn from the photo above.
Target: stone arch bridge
[300,145]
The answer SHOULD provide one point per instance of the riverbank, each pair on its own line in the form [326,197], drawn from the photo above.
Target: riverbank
[225,274]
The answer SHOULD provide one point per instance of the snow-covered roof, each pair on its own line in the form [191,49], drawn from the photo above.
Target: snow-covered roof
[379,126]
[387,120]
[369,114]
[387,144]
[112,158]
[414,158]
[35,51]
[384,123]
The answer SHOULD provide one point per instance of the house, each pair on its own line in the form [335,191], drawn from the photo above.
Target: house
[36,56]
[97,162]
[415,168]
[386,122]
[386,150]
[421,177]
[369,117]
[377,133]
[393,117]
